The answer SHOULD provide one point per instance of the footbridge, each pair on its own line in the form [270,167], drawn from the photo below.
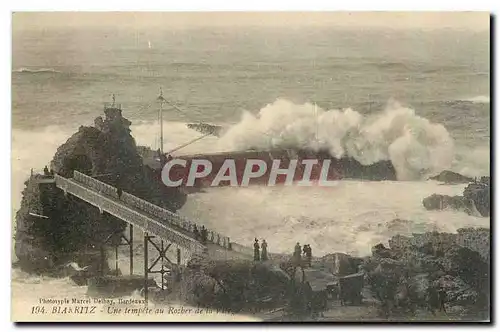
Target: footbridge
[172,229]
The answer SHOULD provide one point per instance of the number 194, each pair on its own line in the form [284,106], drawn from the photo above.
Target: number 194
[37,310]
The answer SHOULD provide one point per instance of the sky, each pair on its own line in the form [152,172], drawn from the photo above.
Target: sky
[478,21]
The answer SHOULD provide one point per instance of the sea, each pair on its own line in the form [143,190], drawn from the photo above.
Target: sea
[420,98]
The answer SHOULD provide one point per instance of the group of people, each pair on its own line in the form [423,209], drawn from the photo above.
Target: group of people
[258,254]
[300,253]
[201,235]
[304,252]
[47,172]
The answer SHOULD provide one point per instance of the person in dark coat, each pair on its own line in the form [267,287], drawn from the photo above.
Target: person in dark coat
[196,233]
[432,299]
[309,255]
[46,171]
[297,253]
[203,234]
[256,251]
[263,254]
[442,299]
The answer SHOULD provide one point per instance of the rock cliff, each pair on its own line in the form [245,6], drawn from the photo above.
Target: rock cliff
[106,151]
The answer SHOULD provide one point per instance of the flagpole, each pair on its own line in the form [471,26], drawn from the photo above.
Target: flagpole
[161,99]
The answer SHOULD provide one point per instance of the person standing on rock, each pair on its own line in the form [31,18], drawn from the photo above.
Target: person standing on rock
[308,254]
[264,250]
[442,299]
[204,234]
[297,251]
[256,251]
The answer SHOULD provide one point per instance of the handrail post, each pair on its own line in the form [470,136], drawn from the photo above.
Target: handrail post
[131,248]
[146,267]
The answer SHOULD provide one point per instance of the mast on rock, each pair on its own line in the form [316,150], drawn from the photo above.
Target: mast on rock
[161,100]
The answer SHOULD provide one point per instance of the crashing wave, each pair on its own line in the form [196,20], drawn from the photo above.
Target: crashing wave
[416,147]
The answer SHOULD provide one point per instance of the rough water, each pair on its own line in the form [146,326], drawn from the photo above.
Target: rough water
[420,99]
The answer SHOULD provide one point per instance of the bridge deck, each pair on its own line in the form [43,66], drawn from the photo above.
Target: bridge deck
[145,220]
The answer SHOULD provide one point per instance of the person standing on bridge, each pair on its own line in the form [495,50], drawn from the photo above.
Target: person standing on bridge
[204,234]
[256,251]
[196,233]
[263,254]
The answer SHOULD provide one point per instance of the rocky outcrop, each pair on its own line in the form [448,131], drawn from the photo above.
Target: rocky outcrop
[443,202]
[106,151]
[413,271]
[450,177]
[234,285]
[479,193]
[52,230]
[475,200]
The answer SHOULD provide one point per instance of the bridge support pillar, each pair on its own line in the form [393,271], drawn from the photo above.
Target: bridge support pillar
[116,260]
[103,260]
[161,259]
[117,240]
[131,248]
[146,266]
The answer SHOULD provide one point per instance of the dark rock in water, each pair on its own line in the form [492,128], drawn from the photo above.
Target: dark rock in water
[442,202]
[475,200]
[350,168]
[116,286]
[451,177]
[106,151]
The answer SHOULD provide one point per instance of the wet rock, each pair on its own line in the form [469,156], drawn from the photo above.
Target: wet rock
[450,177]
[475,200]
[234,285]
[479,193]
[404,275]
[442,202]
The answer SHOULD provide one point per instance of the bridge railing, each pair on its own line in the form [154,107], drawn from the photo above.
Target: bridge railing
[124,212]
[162,214]
[99,186]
